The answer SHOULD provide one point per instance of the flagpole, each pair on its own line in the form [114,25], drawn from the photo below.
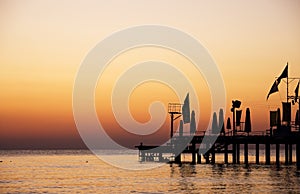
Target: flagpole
[287,85]
[298,100]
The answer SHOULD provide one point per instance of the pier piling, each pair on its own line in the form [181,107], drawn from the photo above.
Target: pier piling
[226,153]
[290,153]
[286,153]
[238,153]
[298,155]
[194,153]
[213,155]
[267,153]
[257,153]
[277,154]
[246,153]
[198,158]
[234,153]
[178,159]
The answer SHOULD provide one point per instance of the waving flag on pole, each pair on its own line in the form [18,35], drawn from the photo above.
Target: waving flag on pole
[274,87]
[297,92]
[186,109]
[284,74]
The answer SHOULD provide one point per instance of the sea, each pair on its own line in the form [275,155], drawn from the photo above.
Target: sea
[81,171]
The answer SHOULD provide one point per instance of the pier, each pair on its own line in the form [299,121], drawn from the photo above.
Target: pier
[283,131]
[230,146]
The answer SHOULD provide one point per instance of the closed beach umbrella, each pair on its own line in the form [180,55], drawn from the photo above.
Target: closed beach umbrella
[248,121]
[278,118]
[181,128]
[221,121]
[215,124]
[228,124]
[193,123]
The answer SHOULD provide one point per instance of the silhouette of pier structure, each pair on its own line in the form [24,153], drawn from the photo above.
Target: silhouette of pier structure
[282,132]
[227,145]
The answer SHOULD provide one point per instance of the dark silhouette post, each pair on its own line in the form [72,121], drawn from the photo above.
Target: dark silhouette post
[213,155]
[246,153]
[193,153]
[198,158]
[226,153]
[277,154]
[178,159]
[234,153]
[298,155]
[238,153]
[257,153]
[267,150]
[172,125]
[286,153]
[233,120]
[174,109]
[290,153]
[206,156]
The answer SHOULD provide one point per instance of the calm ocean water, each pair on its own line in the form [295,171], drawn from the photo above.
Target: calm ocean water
[73,171]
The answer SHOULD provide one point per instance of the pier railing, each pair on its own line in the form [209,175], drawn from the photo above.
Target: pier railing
[227,133]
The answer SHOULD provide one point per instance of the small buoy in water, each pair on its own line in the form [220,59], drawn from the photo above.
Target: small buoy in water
[86,161]
[1,161]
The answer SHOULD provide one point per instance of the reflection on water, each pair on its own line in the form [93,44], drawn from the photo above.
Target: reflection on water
[80,171]
[236,178]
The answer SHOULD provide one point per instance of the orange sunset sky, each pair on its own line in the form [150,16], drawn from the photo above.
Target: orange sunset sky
[42,44]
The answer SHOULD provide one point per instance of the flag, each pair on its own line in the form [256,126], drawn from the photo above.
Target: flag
[186,109]
[273,89]
[297,93]
[284,74]
[286,110]
[273,118]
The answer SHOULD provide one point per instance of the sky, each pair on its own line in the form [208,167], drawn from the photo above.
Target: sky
[43,44]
